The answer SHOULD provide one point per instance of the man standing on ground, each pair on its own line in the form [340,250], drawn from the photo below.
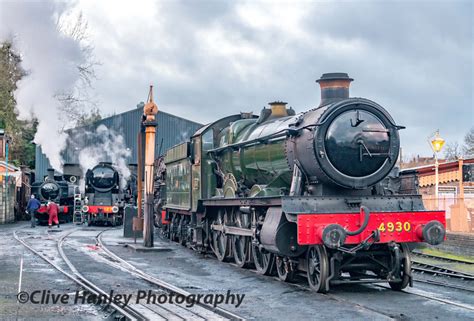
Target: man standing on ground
[53,211]
[32,206]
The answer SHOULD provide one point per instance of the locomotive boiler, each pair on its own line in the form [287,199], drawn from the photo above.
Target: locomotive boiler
[103,197]
[300,193]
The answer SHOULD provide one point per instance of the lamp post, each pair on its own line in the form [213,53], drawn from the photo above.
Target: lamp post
[436,144]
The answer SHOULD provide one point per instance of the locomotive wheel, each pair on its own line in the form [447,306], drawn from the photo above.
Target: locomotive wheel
[182,230]
[405,270]
[219,239]
[284,269]
[180,235]
[263,261]
[174,228]
[318,268]
[241,244]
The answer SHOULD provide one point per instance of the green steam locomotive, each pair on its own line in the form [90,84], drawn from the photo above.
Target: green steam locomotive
[299,193]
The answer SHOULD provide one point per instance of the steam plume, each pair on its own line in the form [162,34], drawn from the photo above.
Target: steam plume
[101,145]
[50,58]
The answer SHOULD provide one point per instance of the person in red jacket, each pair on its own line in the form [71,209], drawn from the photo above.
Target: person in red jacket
[53,210]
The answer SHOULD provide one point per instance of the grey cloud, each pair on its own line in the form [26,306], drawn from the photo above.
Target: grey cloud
[414,58]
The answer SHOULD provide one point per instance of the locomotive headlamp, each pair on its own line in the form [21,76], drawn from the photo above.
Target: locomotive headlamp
[333,236]
[85,208]
[437,143]
[115,209]
[432,233]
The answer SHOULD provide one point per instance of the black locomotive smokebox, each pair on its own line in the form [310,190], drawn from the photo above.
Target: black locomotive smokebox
[278,235]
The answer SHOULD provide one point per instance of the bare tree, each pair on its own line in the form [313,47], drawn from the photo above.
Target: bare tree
[452,151]
[468,147]
[76,105]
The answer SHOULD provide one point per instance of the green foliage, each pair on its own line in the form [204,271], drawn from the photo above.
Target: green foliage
[22,150]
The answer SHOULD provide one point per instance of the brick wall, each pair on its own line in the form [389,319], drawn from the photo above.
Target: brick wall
[7,201]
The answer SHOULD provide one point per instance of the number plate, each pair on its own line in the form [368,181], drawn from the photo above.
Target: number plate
[395,226]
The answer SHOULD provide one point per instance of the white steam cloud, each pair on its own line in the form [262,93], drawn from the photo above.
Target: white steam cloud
[50,58]
[101,145]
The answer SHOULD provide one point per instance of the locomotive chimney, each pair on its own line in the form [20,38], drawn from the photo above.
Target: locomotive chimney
[334,87]
[50,174]
[278,109]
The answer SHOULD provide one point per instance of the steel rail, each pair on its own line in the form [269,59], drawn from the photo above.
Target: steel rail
[423,267]
[82,282]
[439,258]
[445,284]
[431,297]
[166,312]
[162,284]
[129,310]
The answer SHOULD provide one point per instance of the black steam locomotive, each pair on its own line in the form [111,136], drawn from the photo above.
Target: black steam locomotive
[103,198]
[54,188]
[300,193]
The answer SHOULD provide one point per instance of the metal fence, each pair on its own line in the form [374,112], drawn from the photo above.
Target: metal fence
[459,210]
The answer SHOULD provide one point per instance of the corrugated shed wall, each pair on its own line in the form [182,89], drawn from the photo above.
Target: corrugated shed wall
[171,130]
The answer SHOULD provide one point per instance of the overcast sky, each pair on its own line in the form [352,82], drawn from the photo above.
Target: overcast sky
[209,59]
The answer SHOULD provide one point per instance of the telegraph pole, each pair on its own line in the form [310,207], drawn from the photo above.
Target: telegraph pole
[149,111]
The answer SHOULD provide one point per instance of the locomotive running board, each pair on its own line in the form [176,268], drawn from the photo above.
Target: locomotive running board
[328,204]
[247,201]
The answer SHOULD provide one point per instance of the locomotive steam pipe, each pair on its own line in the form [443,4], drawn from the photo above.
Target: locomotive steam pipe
[366,212]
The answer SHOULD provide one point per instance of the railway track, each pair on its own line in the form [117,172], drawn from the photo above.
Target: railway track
[437,270]
[160,283]
[439,258]
[446,284]
[130,311]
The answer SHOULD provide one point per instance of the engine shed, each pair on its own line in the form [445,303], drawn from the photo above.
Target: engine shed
[171,130]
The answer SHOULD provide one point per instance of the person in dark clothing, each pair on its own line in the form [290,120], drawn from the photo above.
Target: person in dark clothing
[53,210]
[33,206]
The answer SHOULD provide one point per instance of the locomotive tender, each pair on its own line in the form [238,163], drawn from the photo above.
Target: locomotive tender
[104,199]
[300,193]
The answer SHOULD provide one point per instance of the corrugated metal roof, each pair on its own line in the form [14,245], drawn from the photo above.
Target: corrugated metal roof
[171,130]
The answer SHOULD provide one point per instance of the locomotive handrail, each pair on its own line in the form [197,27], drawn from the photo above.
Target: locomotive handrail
[280,134]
